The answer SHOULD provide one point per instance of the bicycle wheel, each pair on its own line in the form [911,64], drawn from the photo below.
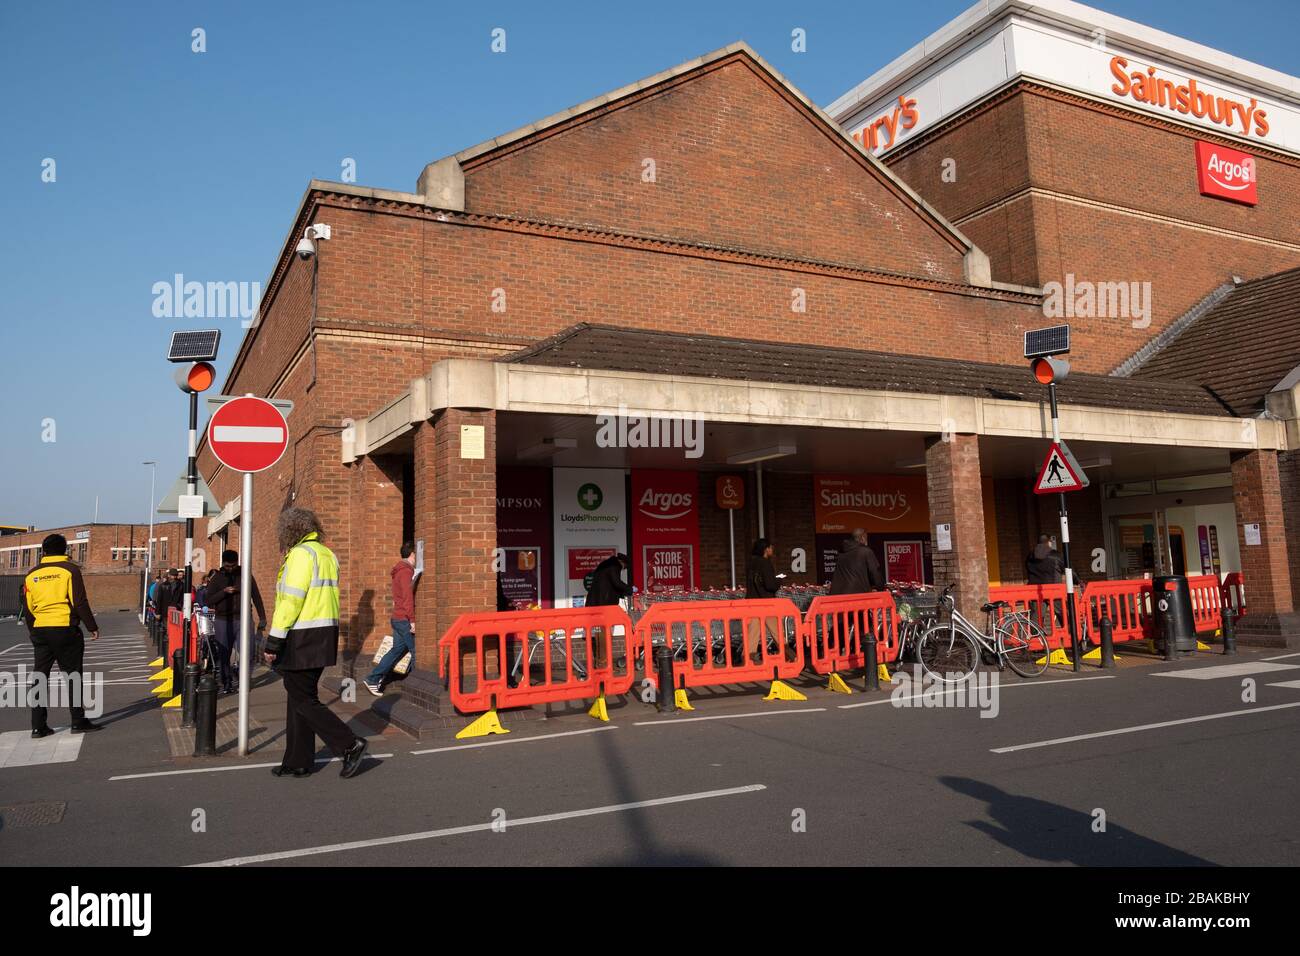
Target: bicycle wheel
[947,655]
[1024,645]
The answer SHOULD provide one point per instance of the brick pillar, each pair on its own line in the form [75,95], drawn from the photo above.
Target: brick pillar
[455,516]
[952,470]
[375,548]
[1256,492]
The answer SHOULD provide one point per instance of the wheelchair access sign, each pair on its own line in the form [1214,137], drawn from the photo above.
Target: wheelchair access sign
[1061,471]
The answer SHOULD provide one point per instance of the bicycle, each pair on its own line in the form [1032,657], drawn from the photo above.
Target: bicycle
[951,652]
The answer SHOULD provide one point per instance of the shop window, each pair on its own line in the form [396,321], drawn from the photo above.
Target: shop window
[13,559]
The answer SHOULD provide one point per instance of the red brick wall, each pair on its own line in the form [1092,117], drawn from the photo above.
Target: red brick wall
[102,540]
[739,163]
[1289,481]
[956,497]
[1256,494]
[1077,156]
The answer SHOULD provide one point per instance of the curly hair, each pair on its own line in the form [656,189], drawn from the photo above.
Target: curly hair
[294,524]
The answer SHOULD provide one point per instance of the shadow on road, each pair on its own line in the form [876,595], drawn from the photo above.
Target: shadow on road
[1052,833]
[643,848]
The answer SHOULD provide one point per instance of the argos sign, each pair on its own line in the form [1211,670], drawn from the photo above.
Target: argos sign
[665,530]
[1226,173]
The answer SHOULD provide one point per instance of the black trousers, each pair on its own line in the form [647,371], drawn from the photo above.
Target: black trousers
[67,645]
[306,718]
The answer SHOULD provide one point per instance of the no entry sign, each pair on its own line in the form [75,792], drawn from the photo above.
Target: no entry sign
[248,434]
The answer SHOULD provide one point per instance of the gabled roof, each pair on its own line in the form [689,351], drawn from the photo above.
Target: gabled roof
[1239,349]
[977,261]
[707,356]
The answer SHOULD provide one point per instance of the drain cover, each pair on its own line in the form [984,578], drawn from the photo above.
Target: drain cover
[40,813]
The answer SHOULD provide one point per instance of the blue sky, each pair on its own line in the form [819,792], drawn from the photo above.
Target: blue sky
[170,161]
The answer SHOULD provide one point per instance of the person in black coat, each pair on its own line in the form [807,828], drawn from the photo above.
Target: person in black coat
[607,584]
[857,570]
[760,582]
[1044,564]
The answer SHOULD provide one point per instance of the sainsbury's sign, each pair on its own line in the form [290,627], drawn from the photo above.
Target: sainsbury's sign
[882,132]
[1147,86]
[1226,173]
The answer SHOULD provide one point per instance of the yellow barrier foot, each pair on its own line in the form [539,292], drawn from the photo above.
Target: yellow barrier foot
[836,684]
[599,710]
[157,663]
[882,674]
[1057,656]
[1095,655]
[782,691]
[680,700]
[164,674]
[489,723]
[174,702]
[1202,646]
[164,689]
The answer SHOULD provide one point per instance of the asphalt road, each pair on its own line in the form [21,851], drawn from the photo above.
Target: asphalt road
[738,781]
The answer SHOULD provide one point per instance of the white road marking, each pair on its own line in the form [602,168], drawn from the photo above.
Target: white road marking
[757,713]
[242,766]
[961,688]
[1227,670]
[514,740]
[1293,684]
[480,827]
[1280,657]
[1141,727]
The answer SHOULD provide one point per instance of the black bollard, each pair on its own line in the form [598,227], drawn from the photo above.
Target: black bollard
[1229,632]
[873,665]
[205,716]
[1107,643]
[664,700]
[1171,652]
[190,685]
[178,671]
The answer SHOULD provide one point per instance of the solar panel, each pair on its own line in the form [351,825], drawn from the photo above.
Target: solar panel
[1053,341]
[194,346]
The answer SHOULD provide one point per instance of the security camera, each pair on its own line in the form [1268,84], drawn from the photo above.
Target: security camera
[306,249]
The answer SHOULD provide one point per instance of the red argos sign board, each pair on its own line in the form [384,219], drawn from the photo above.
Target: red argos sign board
[1226,173]
[665,512]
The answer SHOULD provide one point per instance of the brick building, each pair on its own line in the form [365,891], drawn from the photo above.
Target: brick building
[112,556]
[489,366]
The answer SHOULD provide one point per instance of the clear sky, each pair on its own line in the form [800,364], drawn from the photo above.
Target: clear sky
[169,161]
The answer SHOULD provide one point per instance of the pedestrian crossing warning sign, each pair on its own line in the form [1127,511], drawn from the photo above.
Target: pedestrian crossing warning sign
[1060,472]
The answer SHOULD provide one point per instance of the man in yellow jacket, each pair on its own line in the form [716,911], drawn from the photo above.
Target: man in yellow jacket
[303,641]
[54,608]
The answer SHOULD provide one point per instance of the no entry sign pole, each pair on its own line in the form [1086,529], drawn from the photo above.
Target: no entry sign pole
[249,435]
[245,607]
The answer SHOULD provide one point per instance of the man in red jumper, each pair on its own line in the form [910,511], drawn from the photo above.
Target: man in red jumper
[403,575]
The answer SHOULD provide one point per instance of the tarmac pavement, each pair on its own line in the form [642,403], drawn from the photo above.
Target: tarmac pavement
[1180,772]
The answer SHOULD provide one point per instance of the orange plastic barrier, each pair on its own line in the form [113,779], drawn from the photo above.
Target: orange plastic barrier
[1045,605]
[833,623]
[1127,603]
[1233,591]
[537,657]
[1207,602]
[711,639]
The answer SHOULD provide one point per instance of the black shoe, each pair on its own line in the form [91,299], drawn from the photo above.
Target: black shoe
[42,732]
[85,728]
[352,759]
[283,771]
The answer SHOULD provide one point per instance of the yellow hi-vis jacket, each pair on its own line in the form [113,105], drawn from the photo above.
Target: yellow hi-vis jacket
[305,623]
[54,595]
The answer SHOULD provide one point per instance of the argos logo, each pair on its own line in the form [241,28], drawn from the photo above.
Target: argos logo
[1226,173]
[665,504]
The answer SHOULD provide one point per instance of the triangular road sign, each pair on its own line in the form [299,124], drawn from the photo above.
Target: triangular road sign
[1060,472]
[170,504]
